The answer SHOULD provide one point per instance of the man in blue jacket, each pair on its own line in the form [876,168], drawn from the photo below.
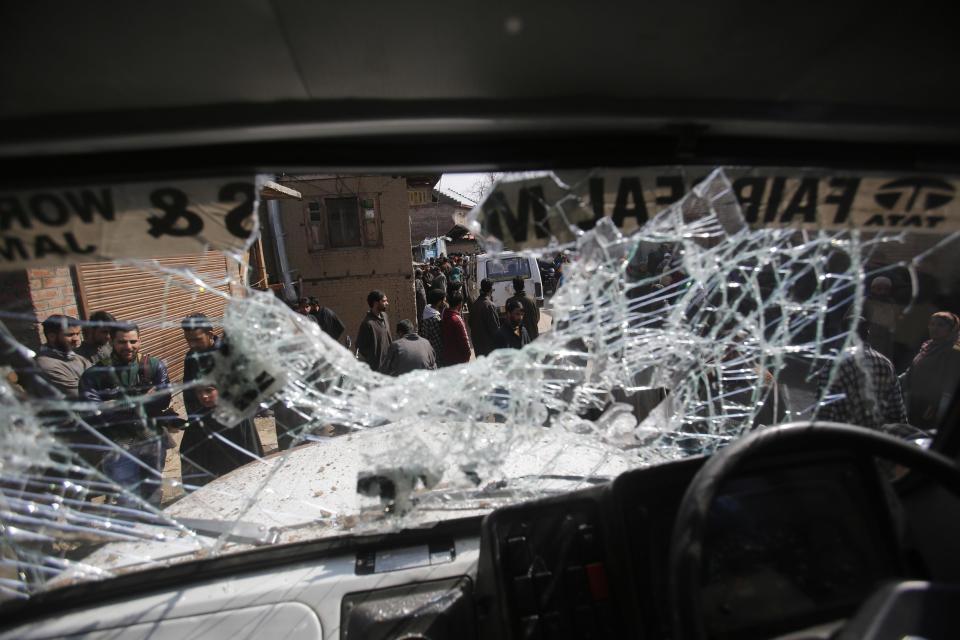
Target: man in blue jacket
[138,416]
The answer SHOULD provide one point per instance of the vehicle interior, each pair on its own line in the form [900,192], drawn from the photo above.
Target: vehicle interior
[709,523]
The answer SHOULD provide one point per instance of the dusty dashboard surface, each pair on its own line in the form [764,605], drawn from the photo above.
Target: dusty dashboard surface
[794,542]
[696,304]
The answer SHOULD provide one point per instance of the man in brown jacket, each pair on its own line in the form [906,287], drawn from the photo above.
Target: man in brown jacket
[373,337]
[57,362]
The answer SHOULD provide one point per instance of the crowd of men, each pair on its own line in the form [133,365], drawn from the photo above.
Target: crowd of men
[442,337]
[439,336]
[124,422]
[880,381]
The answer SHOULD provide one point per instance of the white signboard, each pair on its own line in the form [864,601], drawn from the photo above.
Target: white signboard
[58,226]
[527,212]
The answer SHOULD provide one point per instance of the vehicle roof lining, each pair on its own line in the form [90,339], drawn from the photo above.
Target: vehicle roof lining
[127,67]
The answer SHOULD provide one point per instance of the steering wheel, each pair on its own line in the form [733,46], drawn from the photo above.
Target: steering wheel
[686,547]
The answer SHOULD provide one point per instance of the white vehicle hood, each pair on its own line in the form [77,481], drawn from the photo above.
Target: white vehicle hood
[311,492]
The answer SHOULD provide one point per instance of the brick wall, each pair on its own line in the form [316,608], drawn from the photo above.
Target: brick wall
[463,246]
[52,291]
[348,298]
[431,219]
[341,278]
[30,296]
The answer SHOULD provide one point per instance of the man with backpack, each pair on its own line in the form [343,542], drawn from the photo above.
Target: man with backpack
[138,386]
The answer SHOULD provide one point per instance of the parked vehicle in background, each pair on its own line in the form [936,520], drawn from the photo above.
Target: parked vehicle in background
[431,248]
[502,269]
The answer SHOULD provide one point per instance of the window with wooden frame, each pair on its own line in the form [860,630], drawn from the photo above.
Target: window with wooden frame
[316,233]
[343,222]
[417,196]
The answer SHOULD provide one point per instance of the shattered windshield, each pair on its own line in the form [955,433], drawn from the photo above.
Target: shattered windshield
[199,368]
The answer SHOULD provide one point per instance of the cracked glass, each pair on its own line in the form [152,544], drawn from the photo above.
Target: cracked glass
[679,308]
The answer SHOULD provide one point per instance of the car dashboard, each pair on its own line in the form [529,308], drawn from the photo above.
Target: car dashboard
[792,542]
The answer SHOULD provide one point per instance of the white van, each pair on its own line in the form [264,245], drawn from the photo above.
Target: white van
[502,268]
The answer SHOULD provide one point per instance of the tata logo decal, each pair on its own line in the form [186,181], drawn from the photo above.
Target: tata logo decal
[914,195]
[908,201]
